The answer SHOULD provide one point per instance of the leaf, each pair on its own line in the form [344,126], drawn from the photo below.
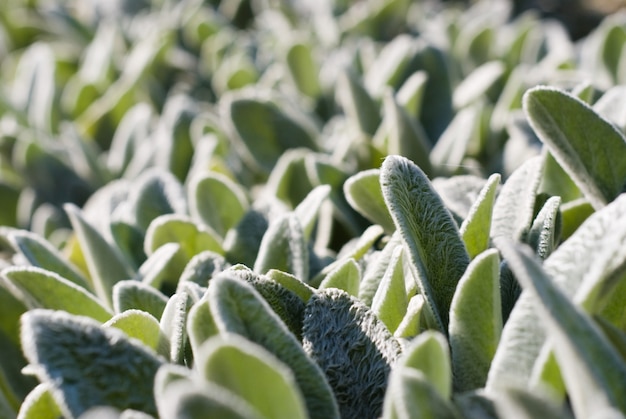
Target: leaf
[610,106]
[346,276]
[390,301]
[106,266]
[42,254]
[308,209]
[180,229]
[390,64]
[544,233]
[174,325]
[411,94]
[242,244]
[155,192]
[303,69]
[353,348]
[514,207]
[435,250]
[262,130]
[157,268]
[133,294]
[573,214]
[364,194]
[217,201]
[237,308]
[254,374]
[359,107]
[87,365]
[283,247]
[476,321]
[478,83]
[413,322]
[143,326]
[406,136]
[46,289]
[39,404]
[521,403]
[376,270]
[187,399]
[556,182]
[429,354]
[587,146]
[475,228]
[412,396]
[593,371]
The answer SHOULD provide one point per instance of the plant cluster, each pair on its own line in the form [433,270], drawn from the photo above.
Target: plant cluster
[266,209]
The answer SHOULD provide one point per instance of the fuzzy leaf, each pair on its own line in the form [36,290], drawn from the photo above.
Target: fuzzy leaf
[406,136]
[254,374]
[346,276]
[106,266]
[187,399]
[289,180]
[42,254]
[376,269]
[478,83]
[308,209]
[292,283]
[303,69]
[523,404]
[45,289]
[435,250]
[429,354]
[217,201]
[411,93]
[354,349]
[156,269]
[134,294]
[411,324]
[544,233]
[475,228]
[237,308]
[587,146]
[242,244]
[283,247]
[143,326]
[359,106]
[390,301]
[476,321]
[594,372]
[514,206]
[39,404]
[363,193]
[88,365]
[204,266]
[174,325]
[263,130]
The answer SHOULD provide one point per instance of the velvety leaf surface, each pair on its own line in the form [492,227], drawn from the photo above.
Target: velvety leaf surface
[390,301]
[142,326]
[434,247]
[88,365]
[353,348]
[346,276]
[364,194]
[134,294]
[475,228]
[39,404]
[254,374]
[588,147]
[45,289]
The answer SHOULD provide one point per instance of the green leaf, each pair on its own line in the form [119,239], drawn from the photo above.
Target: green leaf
[303,69]
[87,365]
[254,374]
[414,320]
[573,214]
[435,250]
[263,130]
[544,233]
[143,326]
[475,228]
[520,403]
[412,396]
[242,244]
[156,192]
[237,308]
[289,180]
[390,64]
[132,294]
[390,301]
[364,194]
[39,252]
[593,371]
[192,400]
[478,83]
[284,247]
[610,106]
[587,146]
[160,264]
[476,321]
[174,325]
[514,207]
[308,209]
[346,276]
[204,266]
[200,324]
[217,201]
[376,269]
[353,348]
[359,107]
[411,94]
[106,265]
[45,289]
[406,136]
[556,182]
[429,354]
[39,404]
[180,229]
